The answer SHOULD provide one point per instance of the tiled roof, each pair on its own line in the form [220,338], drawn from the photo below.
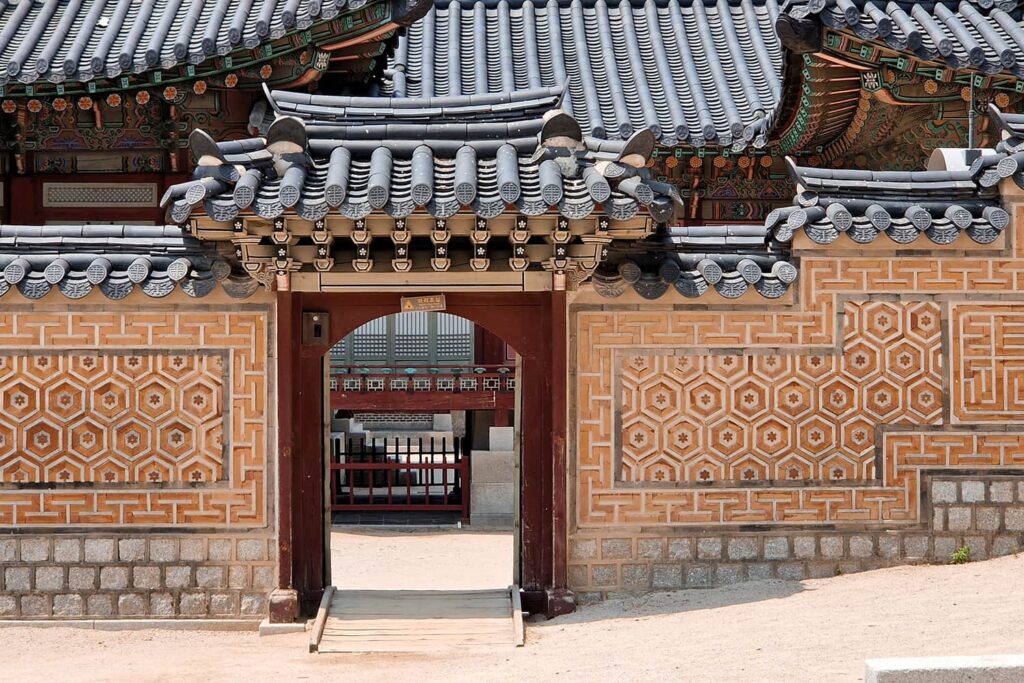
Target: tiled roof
[1008,159]
[366,111]
[986,35]
[441,156]
[693,260]
[1011,125]
[699,73]
[79,40]
[901,204]
[443,123]
[116,259]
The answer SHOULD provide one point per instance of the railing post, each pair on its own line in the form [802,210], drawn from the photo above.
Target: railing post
[465,469]
[332,471]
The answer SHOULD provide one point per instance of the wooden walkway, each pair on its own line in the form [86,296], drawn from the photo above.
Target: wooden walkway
[416,621]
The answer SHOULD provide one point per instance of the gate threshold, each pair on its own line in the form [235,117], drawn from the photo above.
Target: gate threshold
[417,620]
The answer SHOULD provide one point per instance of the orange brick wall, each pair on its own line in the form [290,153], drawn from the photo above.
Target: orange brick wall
[130,424]
[826,413]
[137,404]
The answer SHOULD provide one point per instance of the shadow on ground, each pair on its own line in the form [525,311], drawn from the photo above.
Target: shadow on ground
[630,607]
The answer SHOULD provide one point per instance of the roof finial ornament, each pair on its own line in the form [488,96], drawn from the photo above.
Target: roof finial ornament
[204,149]
[287,135]
[561,130]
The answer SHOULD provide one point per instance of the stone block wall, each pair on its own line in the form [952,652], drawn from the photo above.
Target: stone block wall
[129,576]
[493,481]
[983,513]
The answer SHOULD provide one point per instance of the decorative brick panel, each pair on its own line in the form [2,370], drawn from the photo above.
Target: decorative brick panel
[988,358]
[112,418]
[162,412]
[756,418]
[829,411]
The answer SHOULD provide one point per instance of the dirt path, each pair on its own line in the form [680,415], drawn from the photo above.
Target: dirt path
[415,558]
[818,630]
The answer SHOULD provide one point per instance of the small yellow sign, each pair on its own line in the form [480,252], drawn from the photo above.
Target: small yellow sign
[432,302]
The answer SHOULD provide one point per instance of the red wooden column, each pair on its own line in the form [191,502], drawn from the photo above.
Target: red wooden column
[559,598]
[284,600]
[535,449]
[311,546]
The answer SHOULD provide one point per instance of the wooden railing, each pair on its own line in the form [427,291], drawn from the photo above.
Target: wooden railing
[445,387]
[400,474]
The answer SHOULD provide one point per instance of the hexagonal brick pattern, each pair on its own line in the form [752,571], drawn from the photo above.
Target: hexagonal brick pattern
[751,418]
[111,418]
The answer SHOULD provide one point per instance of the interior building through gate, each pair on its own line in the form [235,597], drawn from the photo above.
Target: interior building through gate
[429,397]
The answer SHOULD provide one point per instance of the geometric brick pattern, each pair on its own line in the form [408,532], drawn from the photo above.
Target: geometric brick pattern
[111,418]
[620,485]
[988,357]
[768,417]
[175,435]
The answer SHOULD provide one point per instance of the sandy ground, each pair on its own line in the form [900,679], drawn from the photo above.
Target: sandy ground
[819,630]
[410,558]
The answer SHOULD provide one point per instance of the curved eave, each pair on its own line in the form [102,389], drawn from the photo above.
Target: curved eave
[943,41]
[359,23]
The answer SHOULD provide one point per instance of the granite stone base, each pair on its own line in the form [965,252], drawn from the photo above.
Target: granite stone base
[985,514]
[105,576]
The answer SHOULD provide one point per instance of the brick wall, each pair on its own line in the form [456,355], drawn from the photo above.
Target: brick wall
[136,575]
[984,513]
[400,420]
[135,476]
[715,441]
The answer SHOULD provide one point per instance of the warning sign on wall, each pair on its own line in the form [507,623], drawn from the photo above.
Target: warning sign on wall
[432,302]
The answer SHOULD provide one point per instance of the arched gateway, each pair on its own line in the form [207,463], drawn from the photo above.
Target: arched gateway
[531,321]
[344,226]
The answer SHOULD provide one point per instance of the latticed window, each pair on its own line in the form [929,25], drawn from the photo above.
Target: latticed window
[414,338]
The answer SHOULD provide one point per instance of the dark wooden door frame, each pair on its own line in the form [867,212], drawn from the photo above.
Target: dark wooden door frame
[534,324]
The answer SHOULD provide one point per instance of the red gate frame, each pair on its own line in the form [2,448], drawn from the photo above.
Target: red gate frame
[534,324]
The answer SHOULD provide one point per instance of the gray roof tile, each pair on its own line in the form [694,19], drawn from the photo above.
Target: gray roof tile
[693,260]
[409,161]
[116,259]
[694,73]
[901,204]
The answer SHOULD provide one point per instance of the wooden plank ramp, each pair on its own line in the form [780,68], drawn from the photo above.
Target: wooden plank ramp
[417,620]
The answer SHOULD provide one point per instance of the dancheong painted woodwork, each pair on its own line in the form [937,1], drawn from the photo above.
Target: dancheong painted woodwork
[762,264]
[93,46]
